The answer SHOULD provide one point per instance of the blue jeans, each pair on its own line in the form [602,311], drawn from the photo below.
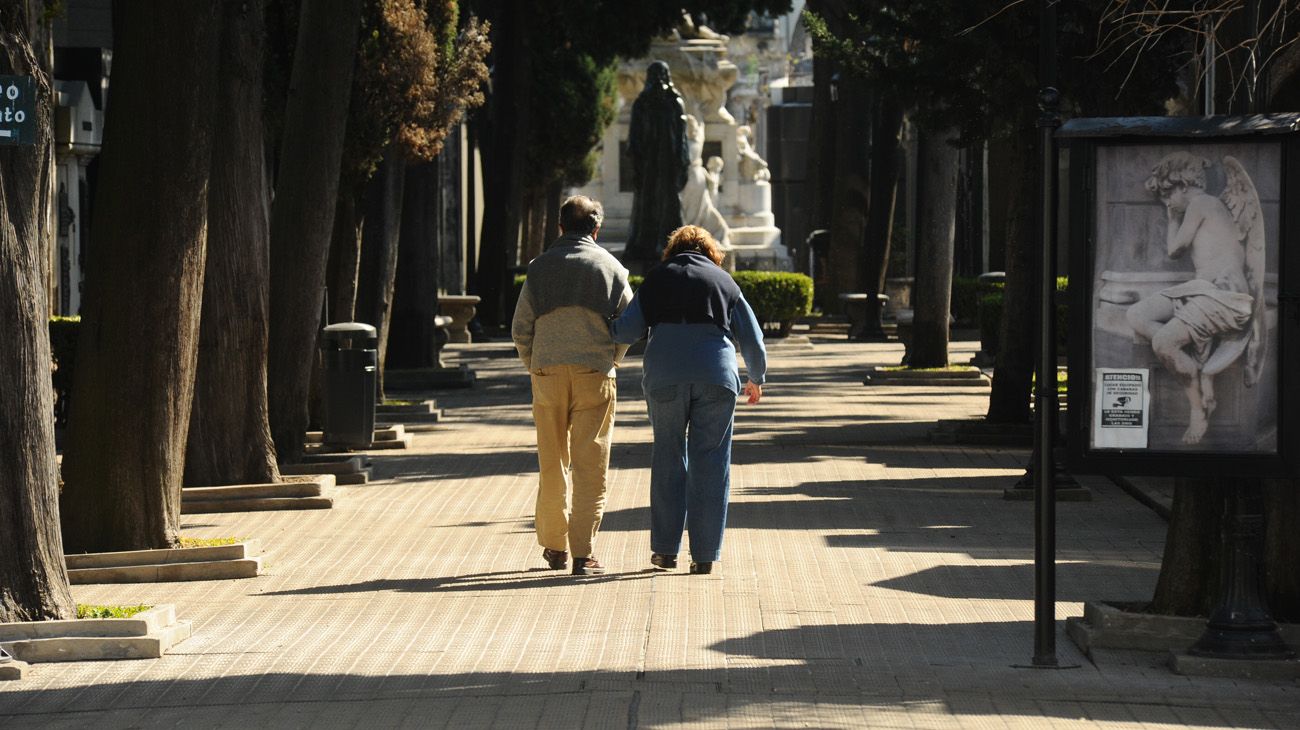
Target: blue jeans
[690,470]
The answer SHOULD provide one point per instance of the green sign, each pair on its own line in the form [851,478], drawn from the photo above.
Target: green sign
[17,110]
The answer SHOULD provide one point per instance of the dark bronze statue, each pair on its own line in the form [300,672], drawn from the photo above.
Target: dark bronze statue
[657,144]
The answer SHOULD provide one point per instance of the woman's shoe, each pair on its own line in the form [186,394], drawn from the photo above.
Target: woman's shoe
[663,561]
[556,559]
[701,568]
[587,566]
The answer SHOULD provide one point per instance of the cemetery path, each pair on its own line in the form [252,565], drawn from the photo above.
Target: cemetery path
[869,578]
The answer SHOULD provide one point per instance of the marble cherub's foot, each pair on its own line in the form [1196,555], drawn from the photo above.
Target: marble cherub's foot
[1196,429]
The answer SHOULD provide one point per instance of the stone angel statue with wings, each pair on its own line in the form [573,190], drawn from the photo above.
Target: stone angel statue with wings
[1200,327]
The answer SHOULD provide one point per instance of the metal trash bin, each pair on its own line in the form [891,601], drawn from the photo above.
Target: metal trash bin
[351,358]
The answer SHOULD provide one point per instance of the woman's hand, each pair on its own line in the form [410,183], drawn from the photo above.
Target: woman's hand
[754,391]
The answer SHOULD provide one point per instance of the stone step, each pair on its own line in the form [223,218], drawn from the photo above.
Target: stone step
[169,572]
[142,624]
[255,504]
[386,419]
[362,477]
[11,669]
[388,433]
[402,442]
[311,486]
[337,464]
[408,409]
[928,382]
[972,373]
[94,639]
[166,556]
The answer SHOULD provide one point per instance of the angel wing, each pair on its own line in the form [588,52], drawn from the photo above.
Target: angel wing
[1241,198]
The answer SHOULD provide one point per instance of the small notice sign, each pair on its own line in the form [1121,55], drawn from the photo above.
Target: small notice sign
[17,110]
[1121,413]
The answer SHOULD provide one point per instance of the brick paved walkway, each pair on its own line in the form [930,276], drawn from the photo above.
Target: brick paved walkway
[869,579]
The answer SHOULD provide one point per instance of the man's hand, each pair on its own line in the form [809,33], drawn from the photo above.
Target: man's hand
[754,391]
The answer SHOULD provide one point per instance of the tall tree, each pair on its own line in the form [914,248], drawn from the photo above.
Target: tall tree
[33,578]
[302,216]
[937,200]
[230,436]
[138,345]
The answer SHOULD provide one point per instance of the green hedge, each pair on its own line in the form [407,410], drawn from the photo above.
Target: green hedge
[990,315]
[63,348]
[777,297]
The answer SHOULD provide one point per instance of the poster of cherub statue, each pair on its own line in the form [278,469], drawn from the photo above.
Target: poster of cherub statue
[1185,298]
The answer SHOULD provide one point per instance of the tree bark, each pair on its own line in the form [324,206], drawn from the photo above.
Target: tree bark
[344,261]
[230,436]
[138,345]
[379,238]
[937,197]
[851,196]
[507,130]
[886,164]
[1189,571]
[33,578]
[415,304]
[302,217]
[1014,369]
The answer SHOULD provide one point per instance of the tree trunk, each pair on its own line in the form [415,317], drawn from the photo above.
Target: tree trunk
[851,195]
[378,271]
[344,261]
[1189,571]
[230,436]
[415,301]
[1282,548]
[554,199]
[1014,369]
[937,197]
[302,216]
[33,579]
[886,159]
[507,130]
[138,346]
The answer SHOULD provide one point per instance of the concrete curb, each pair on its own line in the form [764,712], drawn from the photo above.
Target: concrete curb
[147,635]
[346,468]
[295,492]
[166,566]
[1105,626]
[422,408]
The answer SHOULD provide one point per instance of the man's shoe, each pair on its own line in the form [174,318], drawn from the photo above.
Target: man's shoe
[662,561]
[701,568]
[556,559]
[587,566]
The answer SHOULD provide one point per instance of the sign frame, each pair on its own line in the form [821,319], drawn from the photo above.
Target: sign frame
[1083,140]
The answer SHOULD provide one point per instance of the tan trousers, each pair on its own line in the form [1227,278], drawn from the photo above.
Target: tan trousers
[573,407]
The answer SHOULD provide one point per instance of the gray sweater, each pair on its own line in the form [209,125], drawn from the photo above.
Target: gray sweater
[562,315]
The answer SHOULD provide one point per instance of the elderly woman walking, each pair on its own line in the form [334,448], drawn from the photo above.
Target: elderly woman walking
[694,312]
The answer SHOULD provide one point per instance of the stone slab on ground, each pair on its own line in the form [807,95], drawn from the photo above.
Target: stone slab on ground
[789,343]
[423,407]
[12,669]
[429,379]
[386,419]
[956,377]
[168,565]
[336,464]
[147,635]
[402,442]
[295,492]
[1108,626]
[1265,669]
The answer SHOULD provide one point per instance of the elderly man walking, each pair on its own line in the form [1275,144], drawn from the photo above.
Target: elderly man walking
[562,334]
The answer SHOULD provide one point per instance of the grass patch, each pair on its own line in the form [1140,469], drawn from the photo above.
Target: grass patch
[86,610]
[197,542]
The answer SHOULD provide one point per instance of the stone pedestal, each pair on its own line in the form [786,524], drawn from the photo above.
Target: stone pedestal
[461,308]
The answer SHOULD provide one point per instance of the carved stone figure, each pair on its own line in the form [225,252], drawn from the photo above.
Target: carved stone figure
[660,157]
[1200,327]
[752,168]
[698,201]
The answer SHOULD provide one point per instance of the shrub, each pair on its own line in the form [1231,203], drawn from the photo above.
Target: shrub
[63,348]
[990,316]
[777,297]
[965,300]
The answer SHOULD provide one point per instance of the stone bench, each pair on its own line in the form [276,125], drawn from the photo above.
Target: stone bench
[855,308]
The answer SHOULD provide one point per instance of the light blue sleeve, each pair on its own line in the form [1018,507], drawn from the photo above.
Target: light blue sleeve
[749,336]
[630,326]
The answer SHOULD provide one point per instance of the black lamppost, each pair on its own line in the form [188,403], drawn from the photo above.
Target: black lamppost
[1045,410]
